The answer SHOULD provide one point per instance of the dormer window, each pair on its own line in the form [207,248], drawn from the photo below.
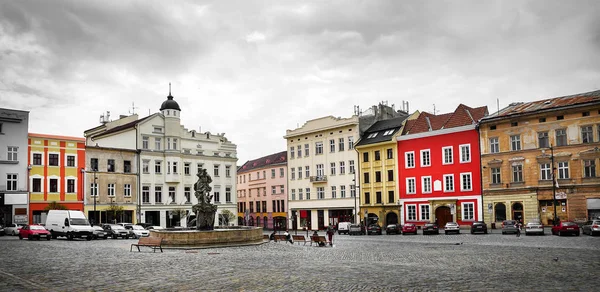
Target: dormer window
[168,112]
[157,130]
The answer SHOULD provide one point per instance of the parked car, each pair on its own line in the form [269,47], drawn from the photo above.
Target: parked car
[431,228]
[69,223]
[2,230]
[356,229]
[115,231]
[145,225]
[393,229]
[126,225]
[374,229]
[479,226]
[565,228]
[343,227]
[452,227]
[154,227]
[139,231]
[591,227]
[98,232]
[13,229]
[409,228]
[34,232]
[509,226]
[534,227]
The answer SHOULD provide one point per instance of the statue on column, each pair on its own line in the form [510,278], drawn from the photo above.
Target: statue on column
[205,210]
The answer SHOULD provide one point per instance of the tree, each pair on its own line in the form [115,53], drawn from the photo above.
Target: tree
[226,216]
[116,210]
[55,206]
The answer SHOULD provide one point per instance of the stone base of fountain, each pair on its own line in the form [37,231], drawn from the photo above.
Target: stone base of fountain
[229,236]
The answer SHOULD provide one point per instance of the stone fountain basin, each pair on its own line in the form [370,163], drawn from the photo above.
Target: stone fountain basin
[229,236]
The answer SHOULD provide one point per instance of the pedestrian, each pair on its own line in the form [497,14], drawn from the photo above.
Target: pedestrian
[272,237]
[518,229]
[330,232]
[288,237]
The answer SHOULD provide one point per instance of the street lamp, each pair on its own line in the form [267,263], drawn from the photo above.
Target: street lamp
[95,194]
[554,221]
[399,211]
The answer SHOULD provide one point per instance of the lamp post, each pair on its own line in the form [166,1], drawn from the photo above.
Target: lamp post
[95,194]
[553,184]
[399,211]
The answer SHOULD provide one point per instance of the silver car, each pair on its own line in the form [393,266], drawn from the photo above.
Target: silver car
[534,227]
[139,231]
[591,227]
[452,227]
[509,226]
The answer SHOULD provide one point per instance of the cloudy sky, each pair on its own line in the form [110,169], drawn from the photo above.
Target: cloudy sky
[253,69]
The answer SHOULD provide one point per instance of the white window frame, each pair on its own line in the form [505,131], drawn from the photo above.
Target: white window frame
[462,181]
[58,160]
[411,185]
[411,215]
[452,188]
[426,184]
[292,152]
[341,144]
[342,167]
[462,153]
[342,191]
[110,190]
[42,158]
[13,153]
[127,190]
[425,158]
[307,171]
[446,160]
[563,170]
[466,215]
[494,145]
[318,148]
[545,171]
[409,159]
[67,185]
[57,184]
[515,143]
[350,142]
[145,142]
[12,181]
[320,170]
[333,192]
[332,168]
[320,193]
[306,150]
[331,145]
[351,166]
[424,215]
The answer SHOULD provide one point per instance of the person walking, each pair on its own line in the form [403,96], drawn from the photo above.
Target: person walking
[518,229]
[288,237]
[330,232]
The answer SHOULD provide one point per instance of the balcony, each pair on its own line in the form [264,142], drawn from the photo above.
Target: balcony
[318,179]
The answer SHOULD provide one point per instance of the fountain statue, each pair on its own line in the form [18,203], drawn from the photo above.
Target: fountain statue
[205,210]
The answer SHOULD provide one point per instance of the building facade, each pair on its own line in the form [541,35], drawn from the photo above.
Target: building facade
[14,166]
[439,162]
[56,175]
[169,159]
[262,192]
[541,157]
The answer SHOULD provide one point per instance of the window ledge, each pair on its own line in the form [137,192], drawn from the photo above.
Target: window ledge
[9,162]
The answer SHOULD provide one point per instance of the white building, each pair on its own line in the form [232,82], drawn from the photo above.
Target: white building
[14,196]
[169,159]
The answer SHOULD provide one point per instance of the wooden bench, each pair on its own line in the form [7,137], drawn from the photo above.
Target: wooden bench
[318,239]
[151,242]
[299,238]
[266,236]
[279,237]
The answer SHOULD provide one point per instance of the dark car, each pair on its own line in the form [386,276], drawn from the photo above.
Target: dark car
[431,228]
[356,229]
[374,229]
[393,229]
[116,231]
[565,228]
[1,230]
[479,226]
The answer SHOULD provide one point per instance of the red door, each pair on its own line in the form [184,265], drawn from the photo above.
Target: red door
[443,216]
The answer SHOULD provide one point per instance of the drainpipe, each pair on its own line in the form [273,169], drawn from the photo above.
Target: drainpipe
[138,193]
[480,169]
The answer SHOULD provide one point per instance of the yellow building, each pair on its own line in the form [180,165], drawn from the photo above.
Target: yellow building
[526,144]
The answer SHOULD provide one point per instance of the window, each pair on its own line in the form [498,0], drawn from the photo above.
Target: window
[543,140]
[187,191]
[307,171]
[216,170]
[174,144]
[353,191]
[332,168]
[351,165]
[587,135]
[37,185]
[465,182]
[514,124]
[12,153]
[281,172]
[424,212]
[391,197]
[545,171]
[293,173]
[228,171]
[517,173]
[70,161]
[157,166]
[378,198]
[94,164]
[390,153]
[320,193]
[342,167]
[70,185]
[389,132]
[306,150]
[320,170]
[425,158]
[53,185]
[146,194]
[272,173]
[426,184]
[589,168]
[110,165]
[300,197]
[515,142]
[127,166]
[372,135]
[366,157]
[563,170]
[542,120]
[199,167]
[494,145]
[378,176]
[53,159]
[318,148]
[157,144]
[186,168]
[412,212]
[300,172]
[448,183]
[377,155]
[11,181]
[145,142]
[342,191]
[366,177]
[292,152]
[465,153]
[332,145]
[157,194]
[281,189]
[410,185]
[495,172]
[308,193]
[410,159]
[390,175]
[367,198]
[448,155]
[37,159]
[251,207]
[111,190]
[299,151]
[293,195]
[94,189]
[341,144]
[145,166]
[273,190]
[468,211]
[350,142]
[561,137]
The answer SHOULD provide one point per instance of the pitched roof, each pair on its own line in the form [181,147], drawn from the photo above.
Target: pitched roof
[273,159]
[381,127]
[56,137]
[121,127]
[462,116]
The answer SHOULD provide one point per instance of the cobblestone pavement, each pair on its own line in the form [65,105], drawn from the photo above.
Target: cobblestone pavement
[462,262]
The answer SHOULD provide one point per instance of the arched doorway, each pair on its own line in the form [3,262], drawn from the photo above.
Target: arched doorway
[372,218]
[251,221]
[443,215]
[391,218]
[517,212]
[499,212]
[240,221]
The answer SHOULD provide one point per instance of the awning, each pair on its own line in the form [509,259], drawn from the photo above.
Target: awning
[303,214]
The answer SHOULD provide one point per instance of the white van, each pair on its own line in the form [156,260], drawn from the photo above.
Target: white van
[344,227]
[69,223]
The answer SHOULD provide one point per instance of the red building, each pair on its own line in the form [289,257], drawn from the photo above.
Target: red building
[439,168]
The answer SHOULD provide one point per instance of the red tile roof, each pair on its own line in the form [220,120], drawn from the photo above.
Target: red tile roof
[56,137]
[548,104]
[273,159]
[462,116]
